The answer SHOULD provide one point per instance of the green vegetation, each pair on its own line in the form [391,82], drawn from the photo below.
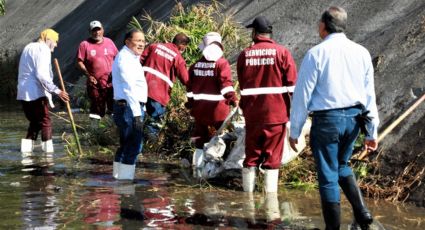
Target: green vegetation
[195,21]
[300,173]
[2,7]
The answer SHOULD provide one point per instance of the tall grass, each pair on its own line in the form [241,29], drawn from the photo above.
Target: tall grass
[195,21]
[2,7]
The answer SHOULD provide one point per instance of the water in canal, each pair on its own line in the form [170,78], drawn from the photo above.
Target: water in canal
[39,191]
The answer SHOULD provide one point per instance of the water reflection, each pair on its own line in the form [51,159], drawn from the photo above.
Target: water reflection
[101,207]
[111,204]
[39,203]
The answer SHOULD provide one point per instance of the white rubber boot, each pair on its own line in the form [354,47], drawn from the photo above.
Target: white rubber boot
[248,179]
[27,159]
[198,158]
[27,145]
[94,116]
[94,120]
[271,177]
[272,207]
[126,172]
[115,169]
[47,146]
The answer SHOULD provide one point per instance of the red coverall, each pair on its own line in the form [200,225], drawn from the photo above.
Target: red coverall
[163,63]
[266,74]
[211,89]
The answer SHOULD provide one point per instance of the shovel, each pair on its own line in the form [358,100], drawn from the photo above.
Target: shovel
[393,125]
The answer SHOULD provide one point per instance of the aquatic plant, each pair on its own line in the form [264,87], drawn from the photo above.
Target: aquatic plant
[2,7]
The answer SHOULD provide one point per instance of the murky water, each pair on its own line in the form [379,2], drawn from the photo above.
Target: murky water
[40,191]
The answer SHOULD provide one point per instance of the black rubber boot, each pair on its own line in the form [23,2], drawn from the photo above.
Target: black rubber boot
[332,215]
[354,196]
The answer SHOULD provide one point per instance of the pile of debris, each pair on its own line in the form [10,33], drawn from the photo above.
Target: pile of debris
[226,149]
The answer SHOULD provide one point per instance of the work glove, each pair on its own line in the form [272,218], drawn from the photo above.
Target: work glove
[189,103]
[363,120]
[138,123]
[231,99]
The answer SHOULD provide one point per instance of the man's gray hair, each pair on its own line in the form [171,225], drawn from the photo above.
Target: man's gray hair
[335,19]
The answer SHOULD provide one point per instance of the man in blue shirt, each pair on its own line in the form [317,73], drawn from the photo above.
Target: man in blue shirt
[336,86]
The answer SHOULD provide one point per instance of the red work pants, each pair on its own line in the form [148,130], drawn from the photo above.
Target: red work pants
[100,99]
[264,145]
[37,113]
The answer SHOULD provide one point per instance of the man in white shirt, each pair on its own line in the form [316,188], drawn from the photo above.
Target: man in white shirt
[336,86]
[130,95]
[35,86]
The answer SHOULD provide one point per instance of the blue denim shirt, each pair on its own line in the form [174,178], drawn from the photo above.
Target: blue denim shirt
[337,73]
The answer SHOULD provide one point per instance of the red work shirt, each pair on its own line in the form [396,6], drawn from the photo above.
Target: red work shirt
[163,63]
[209,84]
[98,59]
[266,72]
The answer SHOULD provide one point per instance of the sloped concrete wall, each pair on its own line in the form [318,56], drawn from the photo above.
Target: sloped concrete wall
[24,20]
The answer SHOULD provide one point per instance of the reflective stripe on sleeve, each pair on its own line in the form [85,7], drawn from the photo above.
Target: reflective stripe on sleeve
[267,90]
[208,97]
[158,74]
[226,90]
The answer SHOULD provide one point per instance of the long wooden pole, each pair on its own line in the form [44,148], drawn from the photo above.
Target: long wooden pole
[54,114]
[394,124]
[68,107]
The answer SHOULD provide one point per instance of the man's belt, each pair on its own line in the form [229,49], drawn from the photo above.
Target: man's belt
[121,102]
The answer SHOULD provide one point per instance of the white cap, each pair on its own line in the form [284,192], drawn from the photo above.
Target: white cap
[210,38]
[95,24]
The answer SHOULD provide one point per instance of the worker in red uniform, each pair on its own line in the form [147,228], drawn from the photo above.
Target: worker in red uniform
[210,93]
[267,74]
[162,64]
[94,59]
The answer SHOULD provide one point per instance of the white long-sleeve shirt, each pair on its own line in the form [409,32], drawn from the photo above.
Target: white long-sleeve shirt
[337,73]
[128,80]
[35,77]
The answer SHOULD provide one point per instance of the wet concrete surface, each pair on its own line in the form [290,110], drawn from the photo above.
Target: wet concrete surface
[51,191]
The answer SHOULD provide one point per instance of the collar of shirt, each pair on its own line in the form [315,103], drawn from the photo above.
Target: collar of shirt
[258,39]
[44,46]
[335,35]
[130,52]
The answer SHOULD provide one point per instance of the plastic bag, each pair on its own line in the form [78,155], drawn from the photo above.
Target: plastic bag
[288,153]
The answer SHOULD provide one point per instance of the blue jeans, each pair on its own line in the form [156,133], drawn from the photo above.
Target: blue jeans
[156,112]
[131,140]
[332,138]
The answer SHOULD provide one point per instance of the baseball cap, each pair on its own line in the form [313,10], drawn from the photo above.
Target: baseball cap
[95,24]
[209,38]
[261,25]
